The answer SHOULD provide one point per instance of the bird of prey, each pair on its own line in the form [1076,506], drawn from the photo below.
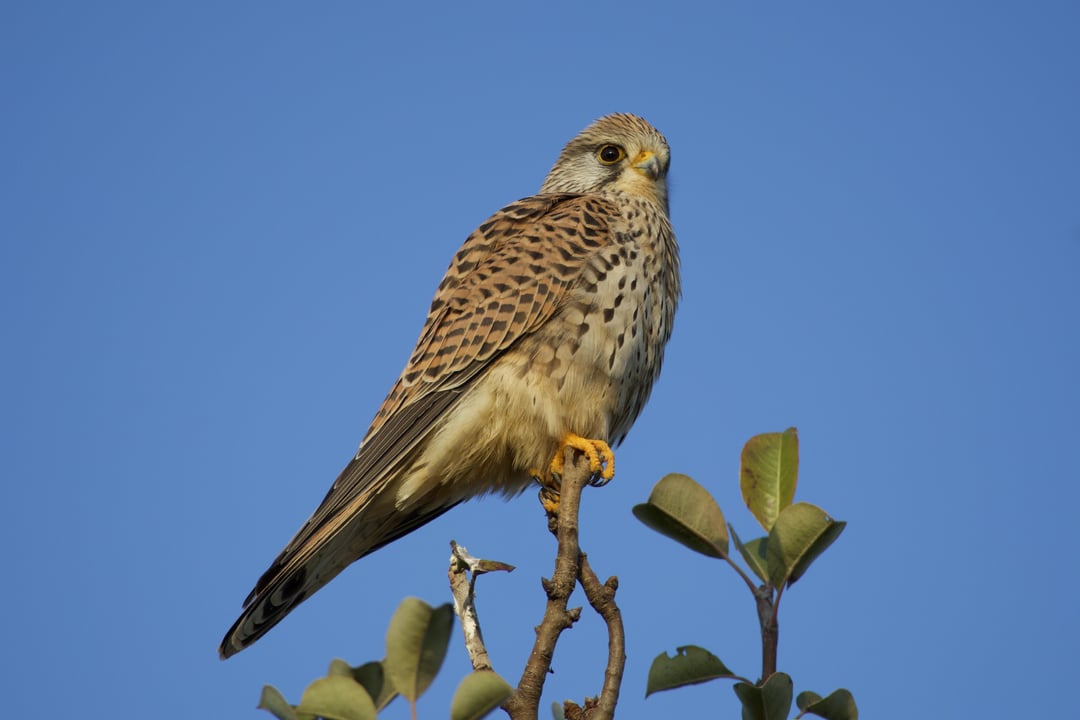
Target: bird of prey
[547,332]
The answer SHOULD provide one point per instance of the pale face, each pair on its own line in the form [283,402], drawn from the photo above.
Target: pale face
[616,153]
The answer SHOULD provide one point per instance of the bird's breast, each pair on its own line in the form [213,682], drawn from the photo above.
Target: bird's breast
[595,362]
[587,370]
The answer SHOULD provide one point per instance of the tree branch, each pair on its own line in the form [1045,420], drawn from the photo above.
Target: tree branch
[770,630]
[464,569]
[602,599]
[524,704]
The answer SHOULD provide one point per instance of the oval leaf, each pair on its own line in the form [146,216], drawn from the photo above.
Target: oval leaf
[275,703]
[750,697]
[806,698]
[768,473]
[372,677]
[478,694]
[416,645]
[772,701]
[336,697]
[821,545]
[689,666]
[801,533]
[839,705]
[777,693]
[684,511]
[754,553]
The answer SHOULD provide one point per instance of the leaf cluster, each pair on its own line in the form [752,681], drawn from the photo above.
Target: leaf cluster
[796,535]
[416,644]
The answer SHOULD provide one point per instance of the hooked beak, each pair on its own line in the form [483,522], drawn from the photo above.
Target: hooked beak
[647,164]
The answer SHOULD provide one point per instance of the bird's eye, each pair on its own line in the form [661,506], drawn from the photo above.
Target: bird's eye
[610,154]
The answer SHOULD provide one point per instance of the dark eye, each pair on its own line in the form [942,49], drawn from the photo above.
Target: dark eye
[610,154]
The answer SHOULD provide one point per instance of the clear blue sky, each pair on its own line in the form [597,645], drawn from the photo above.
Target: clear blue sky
[222,225]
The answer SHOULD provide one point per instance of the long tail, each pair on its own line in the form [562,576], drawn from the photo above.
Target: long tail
[359,515]
[291,580]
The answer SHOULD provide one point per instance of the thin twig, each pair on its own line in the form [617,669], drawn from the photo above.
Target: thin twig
[464,569]
[602,599]
[746,578]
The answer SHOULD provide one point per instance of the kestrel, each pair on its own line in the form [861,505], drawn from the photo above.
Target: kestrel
[547,331]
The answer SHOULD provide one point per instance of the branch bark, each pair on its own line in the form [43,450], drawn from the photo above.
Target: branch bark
[464,569]
[524,704]
[571,567]
[602,599]
[770,630]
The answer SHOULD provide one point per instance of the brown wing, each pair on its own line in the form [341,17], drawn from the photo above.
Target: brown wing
[506,280]
[510,276]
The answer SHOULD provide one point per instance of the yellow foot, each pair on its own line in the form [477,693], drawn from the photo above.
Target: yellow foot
[601,459]
[549,499]
[601,465]
[549,490]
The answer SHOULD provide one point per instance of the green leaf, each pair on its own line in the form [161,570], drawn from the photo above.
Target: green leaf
[772,701]
[806,698]
[557,711]
[754,553]
[689,666]
[335,697]
[683,510]
[416,645]
[372,677]
[839,705]
[768,472]
[753,707]
[275,703]
[478,694]
[340,667]
[801,533]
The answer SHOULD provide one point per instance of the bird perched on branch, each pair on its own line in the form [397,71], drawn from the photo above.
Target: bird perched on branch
[547,332]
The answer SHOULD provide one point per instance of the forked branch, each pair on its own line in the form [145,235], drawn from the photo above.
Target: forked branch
[571,567]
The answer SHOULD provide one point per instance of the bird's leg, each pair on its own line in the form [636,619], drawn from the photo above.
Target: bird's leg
[601,465]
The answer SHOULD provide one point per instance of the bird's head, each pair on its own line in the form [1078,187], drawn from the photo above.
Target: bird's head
[617,152]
